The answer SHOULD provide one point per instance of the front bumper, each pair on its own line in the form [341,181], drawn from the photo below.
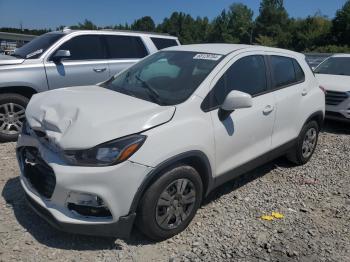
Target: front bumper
[115,185]
[121,228]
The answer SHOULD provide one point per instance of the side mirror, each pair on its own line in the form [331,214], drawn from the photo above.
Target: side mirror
[60,55]
[234,100]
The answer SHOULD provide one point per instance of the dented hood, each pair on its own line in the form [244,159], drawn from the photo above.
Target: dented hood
[83,117]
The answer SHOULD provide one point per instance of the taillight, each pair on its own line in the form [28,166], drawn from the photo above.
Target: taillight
[323,89]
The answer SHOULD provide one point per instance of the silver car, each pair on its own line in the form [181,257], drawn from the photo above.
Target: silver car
[67,58]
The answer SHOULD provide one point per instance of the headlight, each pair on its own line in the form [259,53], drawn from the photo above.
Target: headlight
[106,154]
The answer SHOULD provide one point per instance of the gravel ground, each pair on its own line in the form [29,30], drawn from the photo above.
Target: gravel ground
[314,199]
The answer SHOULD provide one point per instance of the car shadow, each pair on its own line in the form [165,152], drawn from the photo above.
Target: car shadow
[51,237]
[246,178]
[336,127]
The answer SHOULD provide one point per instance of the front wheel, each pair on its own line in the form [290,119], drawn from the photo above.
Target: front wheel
[170,203]
[306,144]
[12,115]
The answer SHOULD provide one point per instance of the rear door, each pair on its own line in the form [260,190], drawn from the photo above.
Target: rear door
[289,88]
[123,51]
[86,66]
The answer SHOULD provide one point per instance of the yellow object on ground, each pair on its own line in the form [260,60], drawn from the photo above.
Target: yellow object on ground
[268,218]
[277,215]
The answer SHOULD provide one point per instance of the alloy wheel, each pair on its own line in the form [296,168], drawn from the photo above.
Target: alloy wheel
[11,118]
[309,142]
[175,204]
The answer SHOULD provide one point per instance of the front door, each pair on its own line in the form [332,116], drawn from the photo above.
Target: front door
[246,133]
[86,66]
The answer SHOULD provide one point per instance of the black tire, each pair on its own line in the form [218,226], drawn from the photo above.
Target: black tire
[18,103]
[298,154]
[148,218]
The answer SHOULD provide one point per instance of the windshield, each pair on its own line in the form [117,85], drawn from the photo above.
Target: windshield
[335,66]
[37,46]
[166,77]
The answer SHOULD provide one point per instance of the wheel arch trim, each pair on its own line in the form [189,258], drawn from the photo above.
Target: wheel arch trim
[201,162]
[25,91]
[319,116]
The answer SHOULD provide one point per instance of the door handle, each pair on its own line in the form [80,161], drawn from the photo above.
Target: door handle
[268,109]
[304,92]
[100,70]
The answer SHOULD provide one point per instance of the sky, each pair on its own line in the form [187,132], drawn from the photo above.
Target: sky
[35,14]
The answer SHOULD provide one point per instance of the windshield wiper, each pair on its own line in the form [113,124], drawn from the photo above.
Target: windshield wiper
[154,93]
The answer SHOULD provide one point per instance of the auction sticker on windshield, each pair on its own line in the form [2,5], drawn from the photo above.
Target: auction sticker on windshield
[207,57]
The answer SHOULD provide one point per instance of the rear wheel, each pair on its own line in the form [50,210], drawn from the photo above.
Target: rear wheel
[306,144]
[170,203]
[12,115]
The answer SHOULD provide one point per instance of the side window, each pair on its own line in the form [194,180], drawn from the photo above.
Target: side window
[122,46]
[283,71]
[248,75]
[85,47]
[162,43]
[299,73]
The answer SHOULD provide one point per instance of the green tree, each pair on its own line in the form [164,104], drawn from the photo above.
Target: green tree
[86,25]
[240,24]
[311,32]
[220,31]
[181,25]
[273,22]
[341,24]
[145,23]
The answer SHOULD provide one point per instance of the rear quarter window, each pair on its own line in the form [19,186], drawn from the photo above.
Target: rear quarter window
[162,43]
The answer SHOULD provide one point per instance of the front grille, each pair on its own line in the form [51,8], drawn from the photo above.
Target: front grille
[334,98]
[39,174]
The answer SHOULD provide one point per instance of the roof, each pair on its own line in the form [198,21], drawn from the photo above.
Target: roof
[225,49]
[111,31]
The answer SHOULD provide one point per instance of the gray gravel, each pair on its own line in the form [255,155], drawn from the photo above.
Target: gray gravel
[315,200]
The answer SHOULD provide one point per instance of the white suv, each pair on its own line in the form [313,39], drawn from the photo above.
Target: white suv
[334,76]
[153,141]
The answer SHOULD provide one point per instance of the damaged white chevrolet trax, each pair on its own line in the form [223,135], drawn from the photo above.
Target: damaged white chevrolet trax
[146,146]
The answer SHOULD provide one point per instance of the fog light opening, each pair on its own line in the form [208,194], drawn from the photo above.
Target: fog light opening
[87,205]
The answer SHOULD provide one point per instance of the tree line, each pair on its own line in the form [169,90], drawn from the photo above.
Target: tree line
[273,26]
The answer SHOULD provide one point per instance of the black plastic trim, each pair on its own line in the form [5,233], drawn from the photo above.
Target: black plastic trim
[159,171]
[320,117]
[120,229]
[238,171]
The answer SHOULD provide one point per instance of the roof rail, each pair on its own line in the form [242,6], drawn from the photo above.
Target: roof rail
[66,29]
[134,31]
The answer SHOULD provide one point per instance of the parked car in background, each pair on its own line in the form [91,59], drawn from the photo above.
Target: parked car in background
[314,59]
[153,141]
[334,76]
[67,58]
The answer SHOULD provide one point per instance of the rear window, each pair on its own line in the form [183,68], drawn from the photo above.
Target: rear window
[121,46]
[162,43]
